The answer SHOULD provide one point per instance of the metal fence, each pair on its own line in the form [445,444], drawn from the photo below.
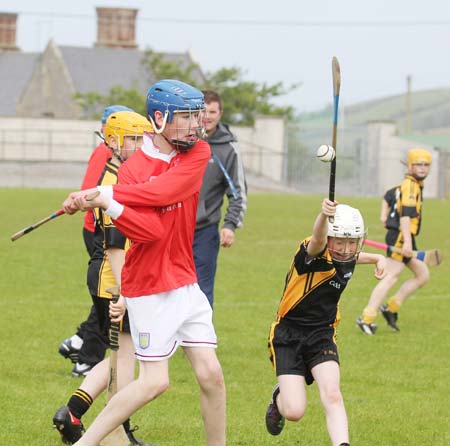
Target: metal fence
[301,171]
[356,174]
[57,157]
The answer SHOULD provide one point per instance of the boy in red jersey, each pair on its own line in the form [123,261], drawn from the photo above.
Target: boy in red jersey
[166,307]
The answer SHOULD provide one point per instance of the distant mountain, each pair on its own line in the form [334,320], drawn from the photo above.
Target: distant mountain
[430,109]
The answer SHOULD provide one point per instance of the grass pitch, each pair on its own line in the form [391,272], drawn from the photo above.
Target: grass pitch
[395,385]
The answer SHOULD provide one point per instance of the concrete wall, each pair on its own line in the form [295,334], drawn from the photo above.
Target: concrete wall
[386,159]
[263,147]
[53,152]
[45,152]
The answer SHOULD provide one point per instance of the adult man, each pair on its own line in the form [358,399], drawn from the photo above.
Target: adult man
[165,305]
[87,346]
[403,224]
[224,176]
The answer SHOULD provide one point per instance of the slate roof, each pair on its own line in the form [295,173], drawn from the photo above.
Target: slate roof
[16,69]
[90,68]
[99,69]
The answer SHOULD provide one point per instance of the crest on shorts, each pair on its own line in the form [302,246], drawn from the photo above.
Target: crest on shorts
[144,340]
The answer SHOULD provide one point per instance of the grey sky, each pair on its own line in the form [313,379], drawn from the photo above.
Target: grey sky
[409,37]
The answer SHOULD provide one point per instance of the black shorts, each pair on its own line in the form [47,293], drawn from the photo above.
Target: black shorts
[102,309]
[296,350]
[394,237]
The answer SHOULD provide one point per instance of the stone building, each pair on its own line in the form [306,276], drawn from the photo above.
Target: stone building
[43,85]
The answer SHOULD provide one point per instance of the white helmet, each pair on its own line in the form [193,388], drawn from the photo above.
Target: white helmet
[348,223]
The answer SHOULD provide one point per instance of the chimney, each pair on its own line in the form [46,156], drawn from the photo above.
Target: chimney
[8,25]
[116,27]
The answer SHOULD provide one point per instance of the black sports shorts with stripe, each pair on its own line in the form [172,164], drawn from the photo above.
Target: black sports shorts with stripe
[296,350]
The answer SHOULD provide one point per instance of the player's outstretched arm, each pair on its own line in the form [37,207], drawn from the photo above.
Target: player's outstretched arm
[379,260]
[320,228]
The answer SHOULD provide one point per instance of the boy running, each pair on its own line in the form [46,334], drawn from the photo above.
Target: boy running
[302,340]
[403,225]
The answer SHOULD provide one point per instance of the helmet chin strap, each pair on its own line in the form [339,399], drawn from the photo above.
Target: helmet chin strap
[117,154]
[181,146]
[157,130]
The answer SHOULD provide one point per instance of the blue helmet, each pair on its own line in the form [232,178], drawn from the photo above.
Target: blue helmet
[113,109]
[170,96]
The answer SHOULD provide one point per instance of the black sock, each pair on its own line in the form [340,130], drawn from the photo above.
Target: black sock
[79,403]
[126,425]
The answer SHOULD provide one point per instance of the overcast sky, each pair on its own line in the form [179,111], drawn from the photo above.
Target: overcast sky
[378,42]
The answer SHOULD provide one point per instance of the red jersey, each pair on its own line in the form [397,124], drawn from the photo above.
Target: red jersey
[171,183]
[94,169]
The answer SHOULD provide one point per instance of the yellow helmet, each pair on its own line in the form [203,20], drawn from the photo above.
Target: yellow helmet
[418,156]
[126,123]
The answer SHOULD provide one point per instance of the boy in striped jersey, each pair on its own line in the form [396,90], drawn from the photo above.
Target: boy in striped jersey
[123,134]
[402,228]
[302,340]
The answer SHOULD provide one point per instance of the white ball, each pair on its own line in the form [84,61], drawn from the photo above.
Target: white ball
[326,153]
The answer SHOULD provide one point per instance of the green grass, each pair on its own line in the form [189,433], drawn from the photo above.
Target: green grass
[396,386]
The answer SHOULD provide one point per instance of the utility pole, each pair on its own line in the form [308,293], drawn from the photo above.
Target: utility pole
[408,105]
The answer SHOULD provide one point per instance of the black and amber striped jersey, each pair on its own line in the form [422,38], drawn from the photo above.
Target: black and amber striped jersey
[106,235]
[313,287]
[405,200]
[409,203]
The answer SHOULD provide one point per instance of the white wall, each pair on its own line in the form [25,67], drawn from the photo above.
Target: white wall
[31,149]
[387,152]
[263,147]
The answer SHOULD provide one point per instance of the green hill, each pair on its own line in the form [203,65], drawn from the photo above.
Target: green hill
[430,109]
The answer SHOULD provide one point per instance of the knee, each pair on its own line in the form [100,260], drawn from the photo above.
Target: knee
[423,278]
[293,412]
[151,389]
[211,377]
[332,397]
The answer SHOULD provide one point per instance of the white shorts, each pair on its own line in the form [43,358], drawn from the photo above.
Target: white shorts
[159,323]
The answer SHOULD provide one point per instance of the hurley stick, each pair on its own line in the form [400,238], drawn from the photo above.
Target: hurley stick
[118,436]
[32,227]
[336,71]
[431,257]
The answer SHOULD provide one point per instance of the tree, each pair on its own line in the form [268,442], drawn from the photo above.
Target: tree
[158,67]
[243,100]
[94,103]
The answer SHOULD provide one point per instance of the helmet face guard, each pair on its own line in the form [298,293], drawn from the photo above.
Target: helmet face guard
[346,234]
[418,156]
[419,162]
[122,124]
[188,129]
[344,249]
[176,99]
